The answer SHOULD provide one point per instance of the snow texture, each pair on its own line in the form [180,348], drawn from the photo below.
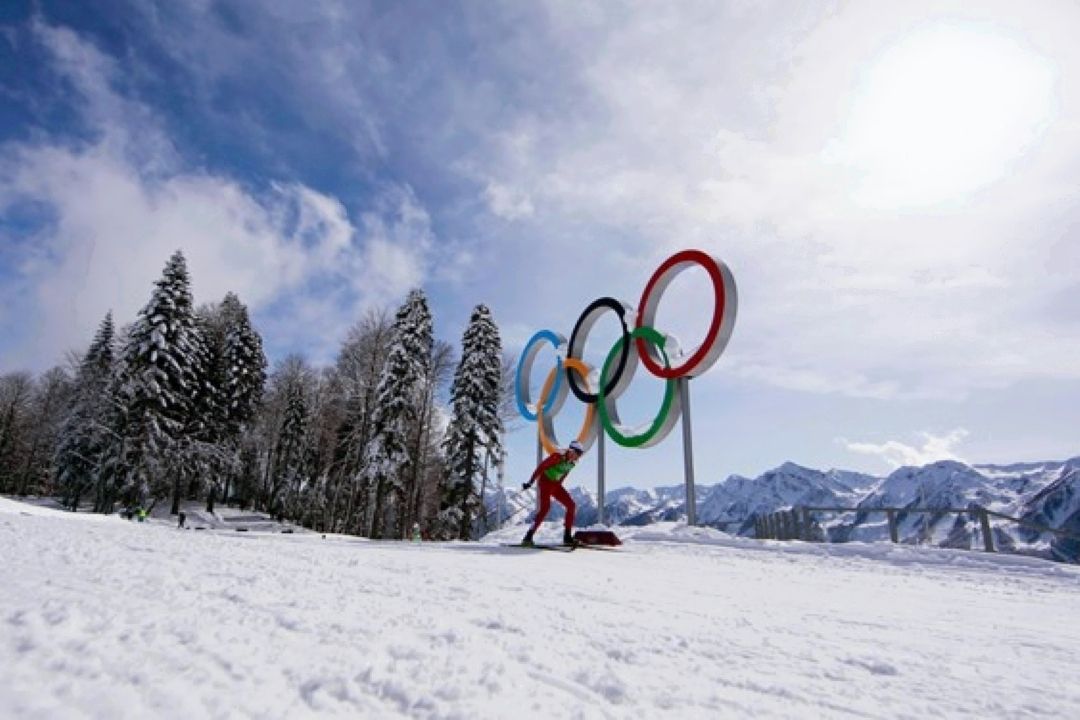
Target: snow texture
[105,618]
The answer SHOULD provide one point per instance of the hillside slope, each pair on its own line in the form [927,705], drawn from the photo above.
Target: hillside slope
[111,619]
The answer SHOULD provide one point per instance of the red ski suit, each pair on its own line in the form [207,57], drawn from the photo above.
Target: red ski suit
[551,473]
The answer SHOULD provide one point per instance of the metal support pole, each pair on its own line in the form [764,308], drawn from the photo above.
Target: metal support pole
[502,486]
[539,459]
[600,489]
[688,451]
[988,535]
[894,535]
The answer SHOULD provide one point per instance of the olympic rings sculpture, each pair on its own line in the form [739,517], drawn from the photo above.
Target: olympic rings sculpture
[642,343]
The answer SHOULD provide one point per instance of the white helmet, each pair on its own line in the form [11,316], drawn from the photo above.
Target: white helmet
[575,445]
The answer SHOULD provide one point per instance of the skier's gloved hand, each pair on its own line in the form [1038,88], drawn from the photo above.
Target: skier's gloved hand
[526,486]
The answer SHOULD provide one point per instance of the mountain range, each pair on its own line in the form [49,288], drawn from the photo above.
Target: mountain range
[1046,493]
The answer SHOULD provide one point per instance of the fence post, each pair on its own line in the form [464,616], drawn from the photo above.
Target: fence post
[988,535]
[894,535]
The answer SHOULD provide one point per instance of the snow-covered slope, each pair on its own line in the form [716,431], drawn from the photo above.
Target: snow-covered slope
[104,618]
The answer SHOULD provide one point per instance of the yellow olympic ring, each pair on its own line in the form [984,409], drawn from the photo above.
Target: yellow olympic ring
[587,434]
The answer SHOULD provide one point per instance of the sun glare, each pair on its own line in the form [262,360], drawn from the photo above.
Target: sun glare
[942,113]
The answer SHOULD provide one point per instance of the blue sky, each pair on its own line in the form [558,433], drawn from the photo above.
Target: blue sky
[894,189]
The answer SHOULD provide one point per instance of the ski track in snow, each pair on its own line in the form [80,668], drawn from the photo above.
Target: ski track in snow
[105,618]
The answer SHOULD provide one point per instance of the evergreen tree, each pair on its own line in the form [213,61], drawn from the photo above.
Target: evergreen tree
[163,359]
[110,474]
[244,365]
[292,452]
[475,429]
[242,377]
[397,407]
[84,434]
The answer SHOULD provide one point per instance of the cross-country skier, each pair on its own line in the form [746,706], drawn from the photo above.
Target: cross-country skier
[551,473]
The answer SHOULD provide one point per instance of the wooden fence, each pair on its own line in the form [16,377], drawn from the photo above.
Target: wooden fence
[797,523]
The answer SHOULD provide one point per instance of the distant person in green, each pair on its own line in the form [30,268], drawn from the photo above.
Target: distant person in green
[551,472]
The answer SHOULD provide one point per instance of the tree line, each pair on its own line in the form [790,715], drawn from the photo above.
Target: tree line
[398,435]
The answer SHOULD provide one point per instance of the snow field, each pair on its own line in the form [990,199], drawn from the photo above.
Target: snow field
[105,618]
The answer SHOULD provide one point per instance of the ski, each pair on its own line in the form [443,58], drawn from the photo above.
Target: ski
[538,546]
[602,548]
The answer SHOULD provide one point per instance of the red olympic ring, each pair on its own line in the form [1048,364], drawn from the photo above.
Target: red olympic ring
[720,327]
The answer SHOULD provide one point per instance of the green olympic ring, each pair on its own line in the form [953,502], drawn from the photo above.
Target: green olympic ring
[670,409]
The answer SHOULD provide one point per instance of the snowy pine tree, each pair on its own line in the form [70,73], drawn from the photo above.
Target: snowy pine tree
[397,407]
[475,428]
[85,431]
[159,383]
[232,373]
[244,366]
[244,378]
[292,452]
[198,453]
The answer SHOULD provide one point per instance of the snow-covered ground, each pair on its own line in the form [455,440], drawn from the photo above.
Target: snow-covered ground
[105,618]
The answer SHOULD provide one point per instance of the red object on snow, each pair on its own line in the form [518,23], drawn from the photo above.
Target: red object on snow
[597,537]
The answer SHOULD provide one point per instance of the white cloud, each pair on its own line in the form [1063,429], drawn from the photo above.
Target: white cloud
[507,203]
[122,203]
[898,454]
[807,380]
[698,138]
[656,128]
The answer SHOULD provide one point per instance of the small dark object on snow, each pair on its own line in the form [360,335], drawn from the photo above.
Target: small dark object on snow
[241,529]
[182,520]
[597,537]
[287,531]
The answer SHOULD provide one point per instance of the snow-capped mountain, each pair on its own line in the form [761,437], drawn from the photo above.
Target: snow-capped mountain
[733,504]
[1045,493]
[1056,505]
